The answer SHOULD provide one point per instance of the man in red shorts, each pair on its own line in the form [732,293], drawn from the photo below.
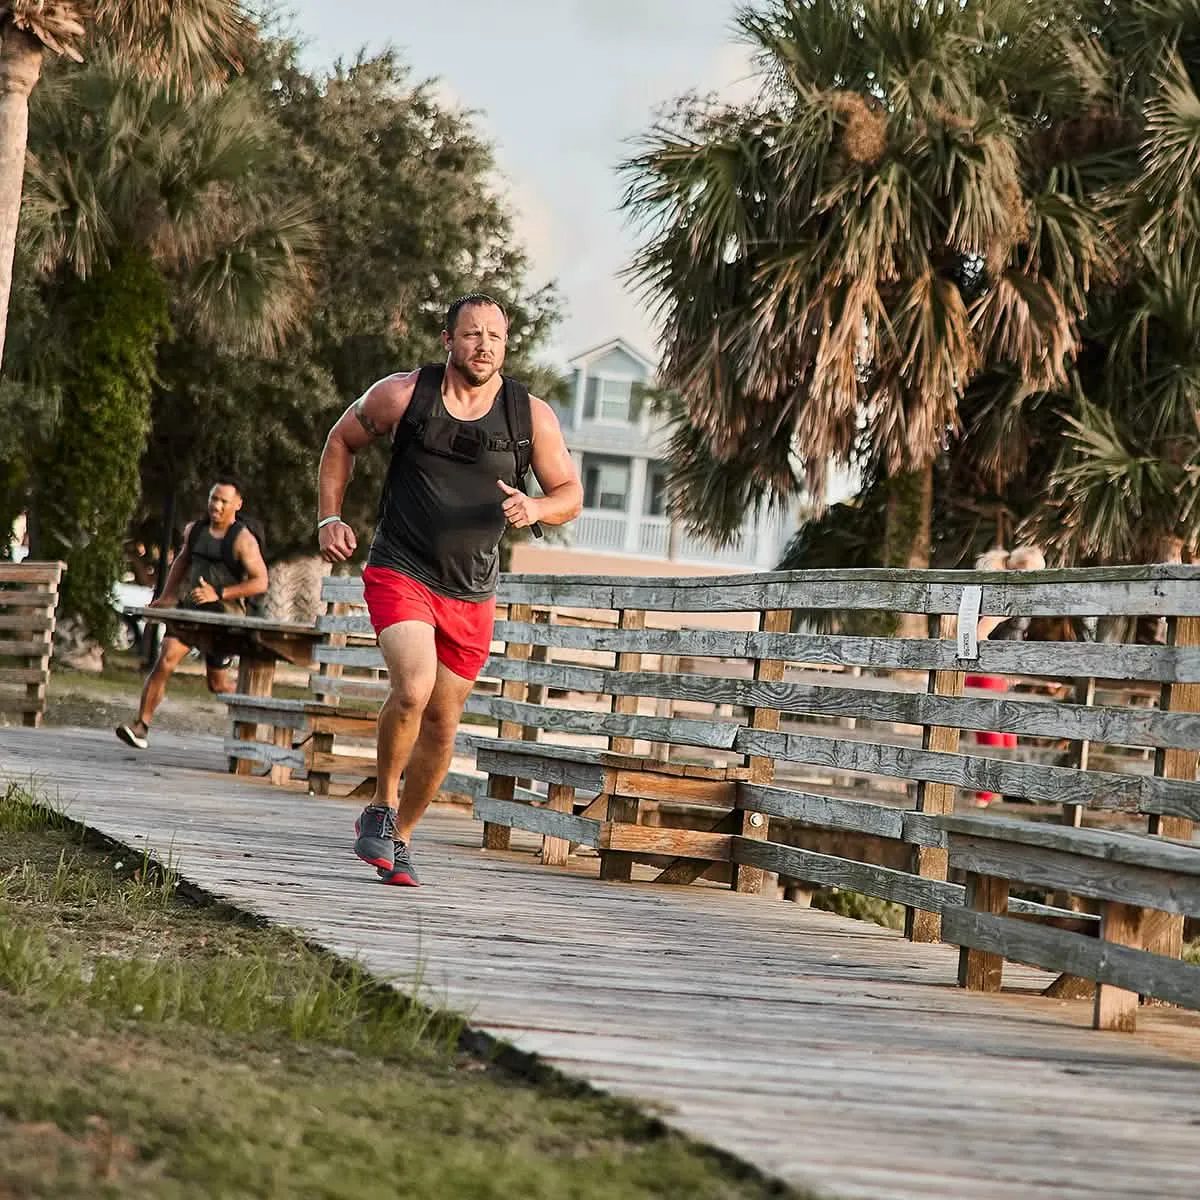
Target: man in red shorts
[462,436]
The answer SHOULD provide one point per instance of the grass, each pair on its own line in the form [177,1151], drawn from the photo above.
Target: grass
[180,1050]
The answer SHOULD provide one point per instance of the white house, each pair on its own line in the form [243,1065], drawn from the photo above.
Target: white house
[620,449]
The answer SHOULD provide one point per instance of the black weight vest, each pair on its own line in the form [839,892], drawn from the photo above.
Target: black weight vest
[440,515]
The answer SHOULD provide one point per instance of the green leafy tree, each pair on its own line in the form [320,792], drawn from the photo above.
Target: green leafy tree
[837,262]
[180,43]
[401,190]
[129,183]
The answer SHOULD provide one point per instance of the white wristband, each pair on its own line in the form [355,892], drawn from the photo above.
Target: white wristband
[328,521]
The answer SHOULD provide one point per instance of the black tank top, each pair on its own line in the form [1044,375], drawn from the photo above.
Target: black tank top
[441,519]
[207,560]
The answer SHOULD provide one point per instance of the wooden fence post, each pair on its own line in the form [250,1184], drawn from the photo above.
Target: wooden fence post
[749,880]
[503,787]
[615,864]
[931,862]
[1084,692]
[980,970]
[1167,934]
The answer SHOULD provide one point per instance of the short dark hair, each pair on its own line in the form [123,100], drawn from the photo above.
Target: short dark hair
[470,301]
[227,480]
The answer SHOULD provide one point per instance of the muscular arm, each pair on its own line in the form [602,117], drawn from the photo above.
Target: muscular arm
[169,597]
[247,551]
[554,468]
[373,415]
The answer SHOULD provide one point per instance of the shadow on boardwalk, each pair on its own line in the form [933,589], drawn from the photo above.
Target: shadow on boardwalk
[826,1051]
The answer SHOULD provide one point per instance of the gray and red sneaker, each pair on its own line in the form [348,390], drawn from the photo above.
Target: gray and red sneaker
[401,873]
[375,832]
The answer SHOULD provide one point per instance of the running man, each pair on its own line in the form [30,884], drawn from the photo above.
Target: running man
[218,568]
[461,438]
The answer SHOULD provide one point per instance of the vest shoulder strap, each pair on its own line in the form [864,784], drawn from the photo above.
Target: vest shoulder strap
[518,411]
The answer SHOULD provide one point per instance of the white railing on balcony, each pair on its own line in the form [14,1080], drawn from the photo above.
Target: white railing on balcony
[599,531]
[694,549]
[654,536]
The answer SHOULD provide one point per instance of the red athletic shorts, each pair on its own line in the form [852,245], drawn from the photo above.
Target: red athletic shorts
[462,629]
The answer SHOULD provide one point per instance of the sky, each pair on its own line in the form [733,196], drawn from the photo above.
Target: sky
[561,87]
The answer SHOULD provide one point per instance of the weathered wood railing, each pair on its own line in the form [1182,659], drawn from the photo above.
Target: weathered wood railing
[28,599]
[782,770]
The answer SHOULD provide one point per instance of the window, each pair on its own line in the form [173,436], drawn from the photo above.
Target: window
[609,400]
[655,502]
[605,483]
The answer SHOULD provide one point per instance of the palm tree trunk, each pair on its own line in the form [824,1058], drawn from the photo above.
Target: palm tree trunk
[908,533]
[20,66]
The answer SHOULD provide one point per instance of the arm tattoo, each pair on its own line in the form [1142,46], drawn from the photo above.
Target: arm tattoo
[360,411]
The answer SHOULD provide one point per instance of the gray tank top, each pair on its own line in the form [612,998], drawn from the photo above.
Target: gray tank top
[441,518]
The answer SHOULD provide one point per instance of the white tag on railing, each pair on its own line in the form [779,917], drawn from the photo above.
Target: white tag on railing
[968,622]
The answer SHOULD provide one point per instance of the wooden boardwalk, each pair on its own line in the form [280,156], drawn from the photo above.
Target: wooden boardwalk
[826,1051]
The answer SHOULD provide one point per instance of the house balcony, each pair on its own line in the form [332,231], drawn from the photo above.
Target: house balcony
[603,532]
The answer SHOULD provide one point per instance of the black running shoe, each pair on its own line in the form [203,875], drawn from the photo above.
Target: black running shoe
[375,829]
[401,873]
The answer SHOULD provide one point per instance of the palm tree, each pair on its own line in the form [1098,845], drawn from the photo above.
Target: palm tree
[182,43]
[1126,486]
[143,212]
[835,263]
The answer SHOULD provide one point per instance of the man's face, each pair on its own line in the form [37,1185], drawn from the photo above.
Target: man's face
[224,503]
[477,342]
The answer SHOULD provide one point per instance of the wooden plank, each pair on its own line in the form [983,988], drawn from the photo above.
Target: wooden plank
[351,724]
[1075,954]
[587,777]
[223,620]
[281,772]
[623,808]
[26,649]
[649,785]
[354,624]
[27,621]
[353,687]
[1171,762]
[1111,845]
[369,657]
[748,879]
[263,753]
[621,728]
[1106,660]
[831,871]
[1114,726]
[934,799]
[546,821]
[628,662]
[22,675]
[28,599]
[1116,1008]
[32,572]
[555,850]
[1080,876]
[981,970]
[830,812]
[1093,789]
[682,871]
[1083,692]
[500,789]
[657,839]
[245,714]
[1042,593]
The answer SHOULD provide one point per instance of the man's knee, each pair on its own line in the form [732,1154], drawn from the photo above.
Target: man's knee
[408,697]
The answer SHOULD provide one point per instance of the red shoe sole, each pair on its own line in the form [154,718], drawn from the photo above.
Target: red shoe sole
[381,863]
[400,879]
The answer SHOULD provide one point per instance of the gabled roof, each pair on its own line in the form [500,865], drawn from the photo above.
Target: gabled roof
[617,343]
